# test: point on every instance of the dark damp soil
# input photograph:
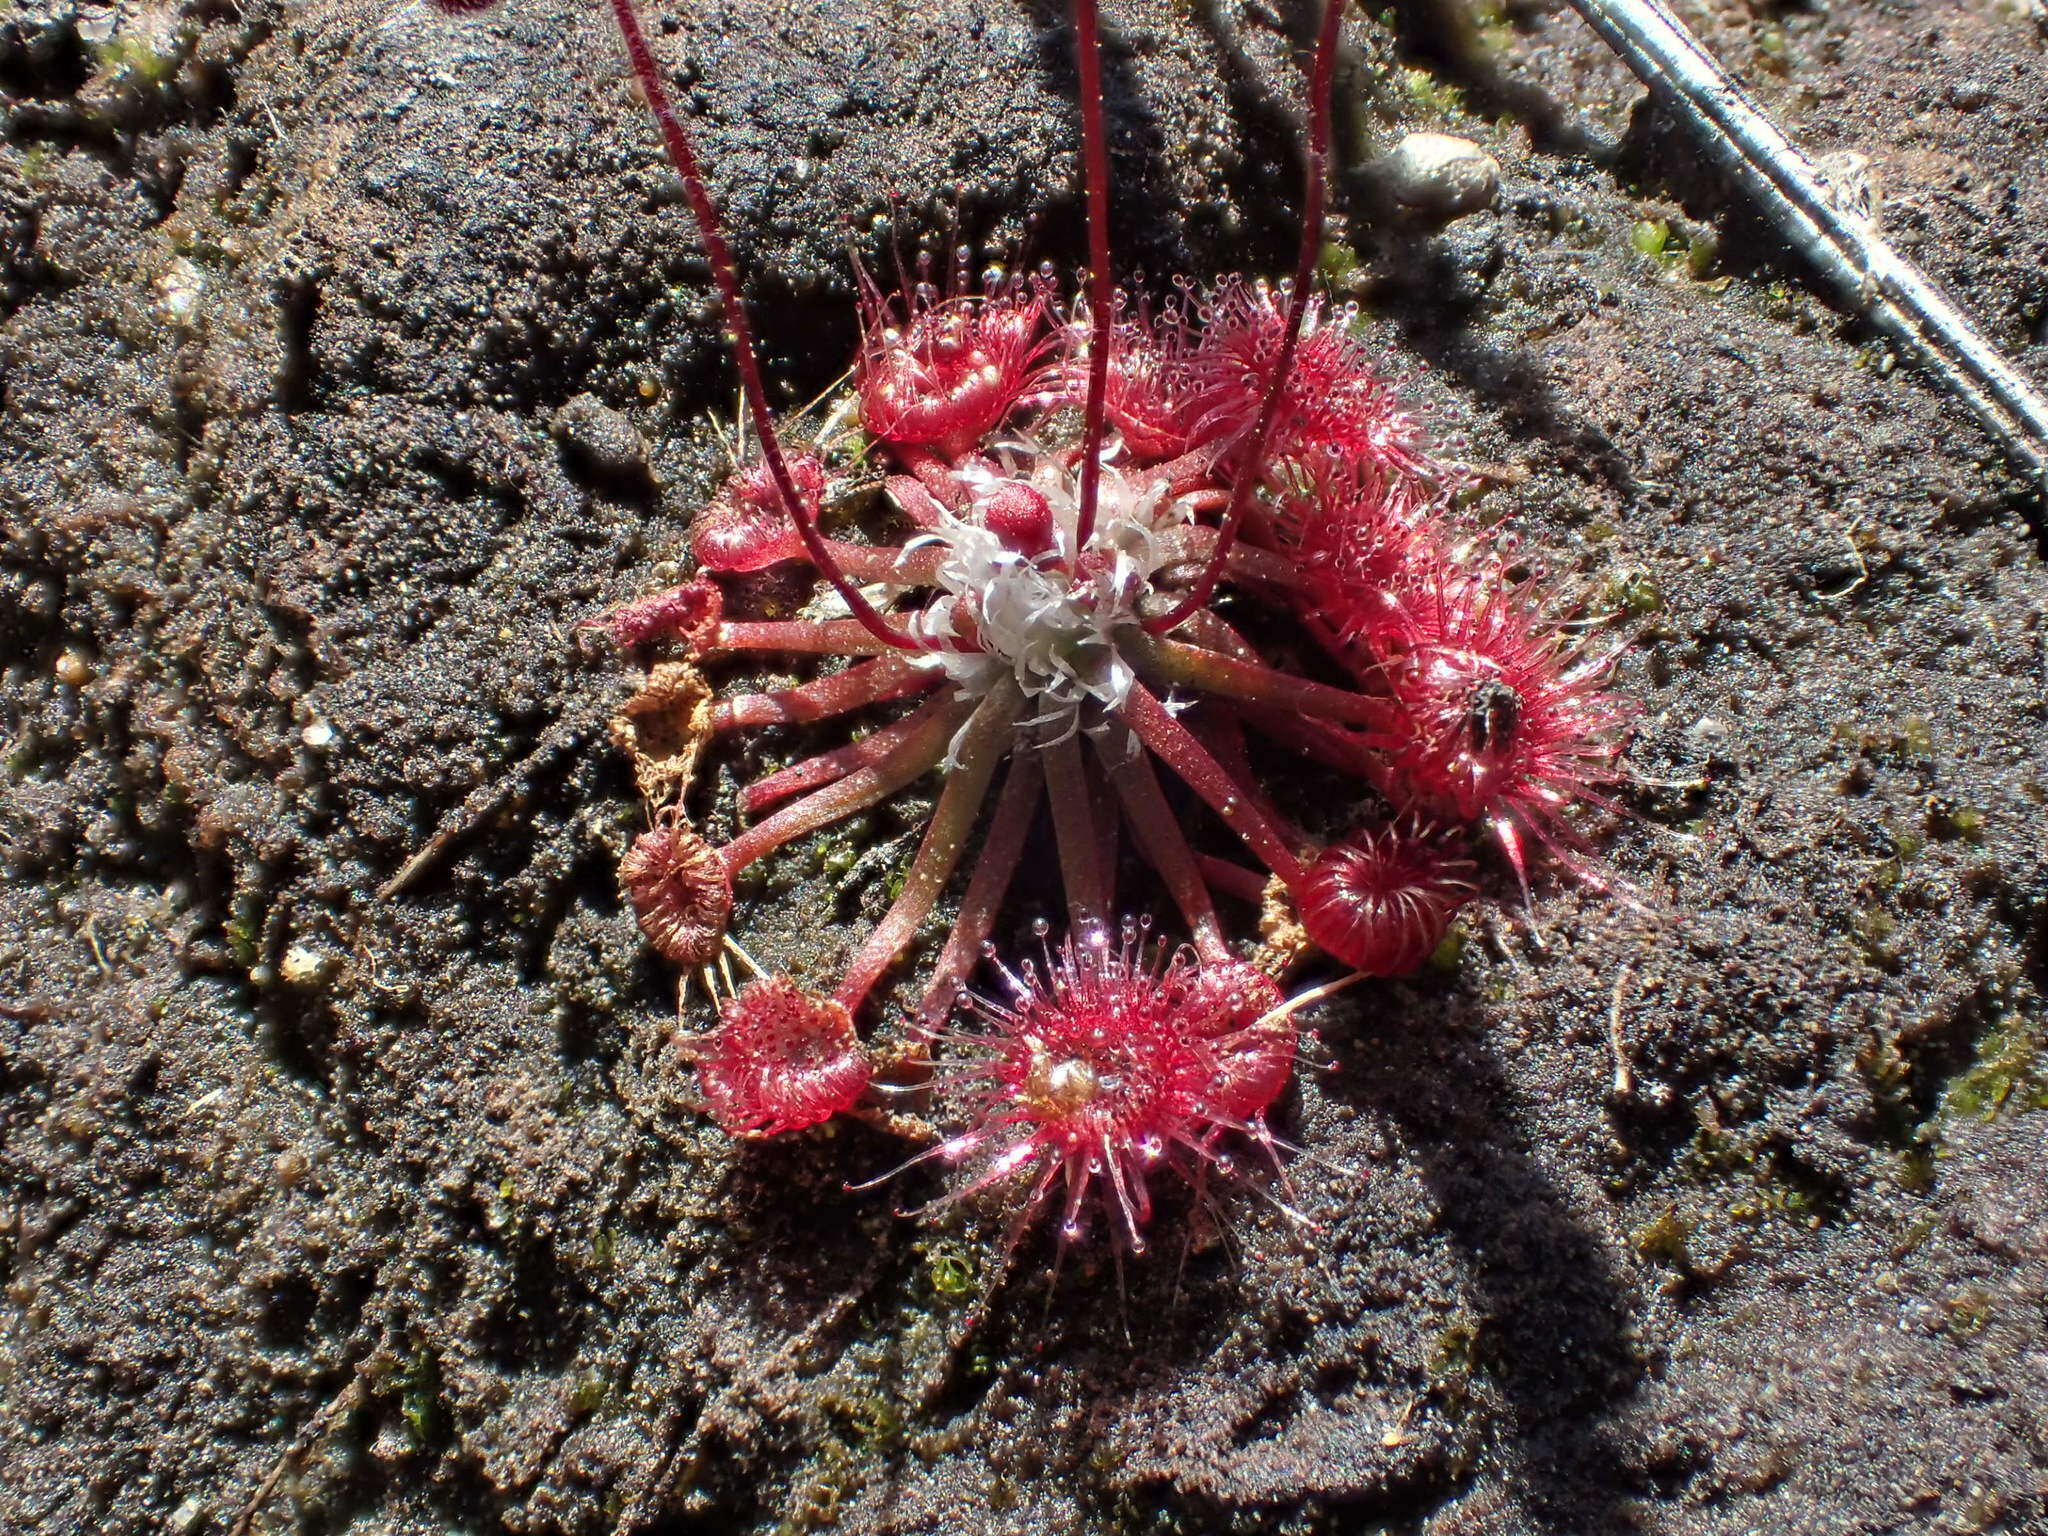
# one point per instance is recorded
(1716, 1211)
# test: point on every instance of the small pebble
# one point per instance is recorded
(600, 436)
(73, 670)
(319, 735)
(304, 966)
(1708, 734)
(392, 1445)
(1440, 174)
(179, 291)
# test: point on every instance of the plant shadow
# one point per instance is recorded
(1555, 1331)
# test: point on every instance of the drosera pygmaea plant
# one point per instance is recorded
(1078, 481)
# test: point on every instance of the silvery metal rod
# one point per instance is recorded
(1873, 278)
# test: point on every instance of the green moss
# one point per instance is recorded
(1769, 1183)
(134, 59)
(837, 851)
(1338, 264)
(1800, 1206)
(1432, 94)
(1495, 29)
(1987, 1510)
(1913, 1170)
(949, 1268)
(1888, 1076)
(1948, 821)
(1966, 1313)
(1717, 1152)
(877, 1424)
(1915, 1234)
(1650, 236)
(1906, 742)
(1692, 254)
(1445, 957)
(849, 445)
(1455, 1355)
(815, 1502)
(1663, 1241)
(2005, 1079)
(242, 932)
(1702, 257)
(419, 1397)
(1634, 592)
(1874, 932)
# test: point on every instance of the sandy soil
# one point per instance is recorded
(326, 1211)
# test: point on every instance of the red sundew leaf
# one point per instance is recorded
(680, 891)
(952, 372)
(1381, 901)
(1500, 708)
(1254, 1053)
(1145, 397)
(780, 1059)
(690, 613)
(1108, 1061)
(1335, 405)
